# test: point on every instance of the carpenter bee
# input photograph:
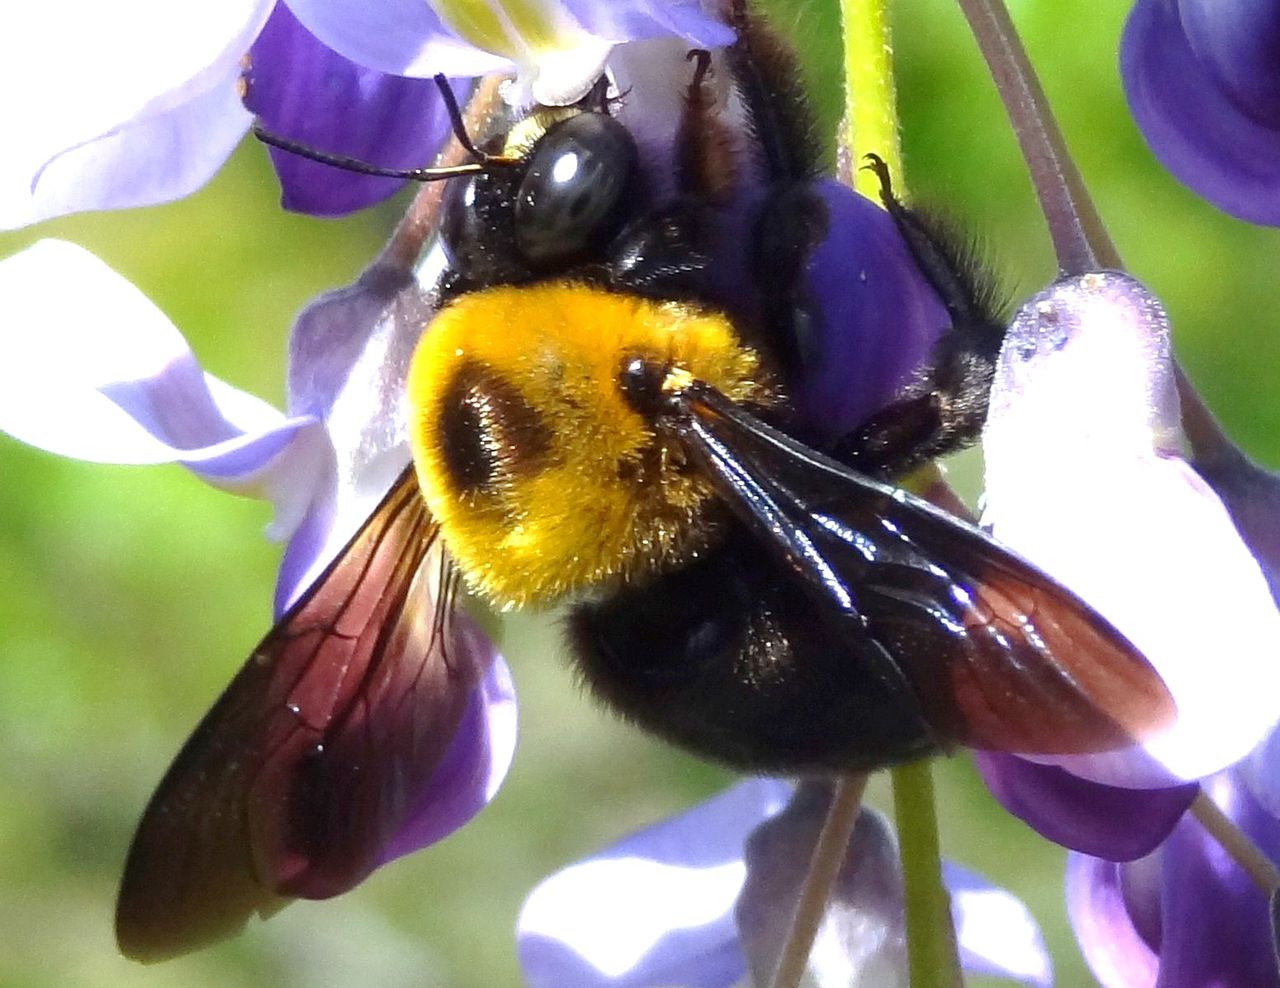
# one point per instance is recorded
(596, 422)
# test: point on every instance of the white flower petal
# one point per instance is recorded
(93, 370)
(564, 76)
(995, 931)
(90, 368)
(657, 903)
(1081, 481)
(141, 94)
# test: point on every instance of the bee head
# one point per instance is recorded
(534, 455)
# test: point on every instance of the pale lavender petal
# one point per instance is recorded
(403, 37)
(1215, 921)
(1104, 821)
(118, 104)
(92, 369)
(1100, 501)
(348, 357)
(996, 933)
(302, 90)
(862, 937)
(654, 909)
(1195, 125)
(478, 757)
(1252, 495)
(123, 387)
(311, 546)
(408, 37)
(640, 20)
(1118, 955)
(1260, 774)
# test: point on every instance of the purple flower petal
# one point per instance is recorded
(1252, 495)
(349, 353)
(1190, 109)
(1216, 928)
(117, 107)
(1118, 955)
(654, 909)
(1239, 41)
(402, 37)
(875, 318)
(1097, 499)
(312, 545)
(862, 938)
(478, 757)
(303, 90)
(1260, 774)
(1104, 821)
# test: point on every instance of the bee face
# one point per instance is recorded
(544, 477)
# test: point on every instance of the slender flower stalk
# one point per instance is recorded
(1079, 238)
(824, 866)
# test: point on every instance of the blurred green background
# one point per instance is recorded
(128, 596)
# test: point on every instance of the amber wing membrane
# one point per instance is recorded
(311, 759)
(998, 654)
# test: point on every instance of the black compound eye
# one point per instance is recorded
(571, 197)
(467, 214)
(457, 220)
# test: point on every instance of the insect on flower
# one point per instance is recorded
(597, 421)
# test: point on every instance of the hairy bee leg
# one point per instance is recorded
(768, 79)
(706, 152)
(947, 269)
(944, 409)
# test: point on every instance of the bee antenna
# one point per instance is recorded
(482, 162)
(459, 126)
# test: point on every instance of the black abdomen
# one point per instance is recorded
(727, 658)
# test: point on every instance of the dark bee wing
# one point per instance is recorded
(312, 757)
(999, 654)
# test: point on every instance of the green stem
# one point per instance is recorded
(932, 959)
(871, 125)
(871, 108)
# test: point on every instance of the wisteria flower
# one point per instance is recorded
(125, 388)
(1203, 83)
(145, 103)
(704, 898)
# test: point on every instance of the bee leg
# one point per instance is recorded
(944, 409)
(706, 152)
(663, 256)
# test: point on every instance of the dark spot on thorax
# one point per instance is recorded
(488, 431)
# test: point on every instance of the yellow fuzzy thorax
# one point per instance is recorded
(544, 480)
